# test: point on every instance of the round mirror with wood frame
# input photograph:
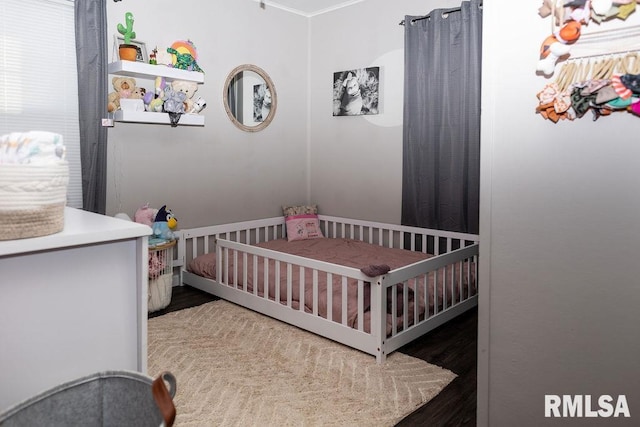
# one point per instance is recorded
(249, 98)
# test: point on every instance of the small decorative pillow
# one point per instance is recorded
(289, 210)
(302, 222)
(303, 227)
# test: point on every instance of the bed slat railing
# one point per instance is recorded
(453, 273)
(300, 288)
(344, 306)
(436, 283)
(436, 288)
(396, 236)
(269, 285)
(202, 240)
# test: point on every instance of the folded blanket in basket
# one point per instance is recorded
(33, 184)
(34, 147)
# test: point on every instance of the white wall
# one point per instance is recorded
(559, 235)
(349, 166)
(356, 162)
(216, 173)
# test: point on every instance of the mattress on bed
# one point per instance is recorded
(346, 252)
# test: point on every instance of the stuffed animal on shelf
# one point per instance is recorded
(173, 104)
(155, 104)
(184, 61)
(164, 224)
(138, 93)
(164, 58)
(124, 87)
(189, 89)
(198, 105)
(148, 98)
(184, 55)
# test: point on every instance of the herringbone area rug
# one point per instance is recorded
(235, 367)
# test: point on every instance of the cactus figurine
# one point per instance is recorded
(127, 31)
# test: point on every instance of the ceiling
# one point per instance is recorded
(308, 8)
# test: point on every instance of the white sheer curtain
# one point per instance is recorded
(38, 77)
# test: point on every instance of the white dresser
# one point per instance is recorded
(72, 303)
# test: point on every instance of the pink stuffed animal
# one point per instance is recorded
(156, 264)
(145, 215)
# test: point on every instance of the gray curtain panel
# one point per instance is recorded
(441, 138)
(91, 52)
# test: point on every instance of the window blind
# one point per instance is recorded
(38, 76)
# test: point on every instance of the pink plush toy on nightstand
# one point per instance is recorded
(145, 215)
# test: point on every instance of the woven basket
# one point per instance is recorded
(32, 199)
(160, 292)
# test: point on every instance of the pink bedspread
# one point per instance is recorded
(346, 252)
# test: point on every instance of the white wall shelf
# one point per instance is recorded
(142, 70)
(156, 118)
(148, 71)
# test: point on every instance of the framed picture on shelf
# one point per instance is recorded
(141, 49)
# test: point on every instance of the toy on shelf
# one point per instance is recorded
(127, 30)
(199, 105)
(127, 51)
(173, 104)
(156, 101)
(153, 56)
(184, 56)
(174, 89)
(124, 88)
(189, 89)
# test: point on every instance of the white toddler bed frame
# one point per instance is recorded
(451, 249)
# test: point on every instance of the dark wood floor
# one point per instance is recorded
(451, 346)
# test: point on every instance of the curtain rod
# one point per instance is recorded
(444, 12)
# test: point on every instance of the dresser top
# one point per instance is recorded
(80, 228)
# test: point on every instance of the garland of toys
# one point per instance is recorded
(609, 84)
